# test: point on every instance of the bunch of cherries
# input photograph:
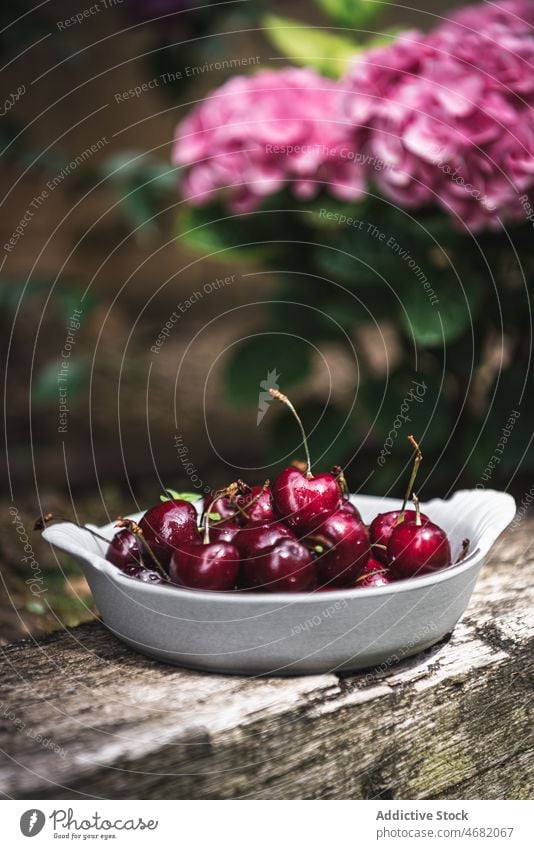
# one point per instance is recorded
(301, 534)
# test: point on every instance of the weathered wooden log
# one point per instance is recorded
(81, 715)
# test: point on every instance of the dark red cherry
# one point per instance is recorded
(257, 505)
(374, 575)
(382, 525)
(285, 567)
(417, 549)
(298, 496)
(242, 503)
(205, 566)
(169, 525)
(381, 528)
(348, 507)
(147, 576)
(225, 532)
(255, 538)
(298, 500)
(341, 542)
(376, 579)
(123, 550)
(222, 505)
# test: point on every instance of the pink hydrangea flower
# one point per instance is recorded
(256, 134)
(445, 118)
(451, 114)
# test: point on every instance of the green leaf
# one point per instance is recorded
(46, 386)
(214, 517)
(329, 213)
(438, 311)
(68, 298)
(328, 53)
(172, 495)
(139, 181)
(201, 230)
(352, 13)
(137, 208)
(35, 607)
(12, 289)
(262, 361)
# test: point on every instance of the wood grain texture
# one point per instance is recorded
(455, 722)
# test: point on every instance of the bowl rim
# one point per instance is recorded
(474, 558)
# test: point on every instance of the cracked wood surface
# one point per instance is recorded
(81, 715)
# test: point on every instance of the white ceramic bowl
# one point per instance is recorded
(301, 633)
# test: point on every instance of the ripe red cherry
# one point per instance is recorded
(258, 506)
(123, 550)
(287, 566)
(225, 532)
(147, 576)
(298, 500)
(205, 566)
(381, 528)
(255, 538)
(299, 496)
(221, 505)
(242, 503)
(382, 525)
(341, 542)
(374, 575)
(418, 547)
(348, 507)
(169, 525)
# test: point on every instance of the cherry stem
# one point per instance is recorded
(256, 498)
(417, 509)
(134, 528)
(231, 491)
(339, 475)
(416, 463)
(285, 400)
(465, 548)
(220, 493)
(315, 541)
(371, 574)
(47, 518)
(206, 534)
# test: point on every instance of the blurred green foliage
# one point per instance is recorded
(447, 310)
(460, 310)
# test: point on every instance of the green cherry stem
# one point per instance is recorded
(219, 493)
(263, 490)
(206, 518)
(231, 491)
(339, 475)
(417, 509)
(416, 463)
(285, 400)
